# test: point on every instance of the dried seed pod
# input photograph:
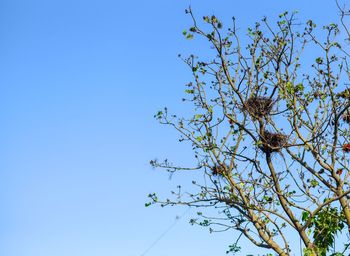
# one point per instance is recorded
(346, 148)
(346, 117)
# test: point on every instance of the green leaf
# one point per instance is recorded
(299, 87)
(319, 60)
(313, 183)
(305, 215)
(199, 138)
(189, 36)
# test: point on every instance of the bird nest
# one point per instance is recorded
(273, 142)
(218, 170)
(259, 106)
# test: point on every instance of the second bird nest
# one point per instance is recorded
(273, 142)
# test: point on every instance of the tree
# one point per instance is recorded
(271, 132)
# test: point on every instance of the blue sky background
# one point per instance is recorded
(79, 84)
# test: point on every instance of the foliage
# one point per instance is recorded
(270, 132)
(326, 224)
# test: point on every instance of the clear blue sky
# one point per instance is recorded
(79, 84)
